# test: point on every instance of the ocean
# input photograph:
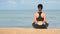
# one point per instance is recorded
(24, 18)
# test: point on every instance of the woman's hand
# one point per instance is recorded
(33, 22)
(46, 23)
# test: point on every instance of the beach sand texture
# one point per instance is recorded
(28, 31)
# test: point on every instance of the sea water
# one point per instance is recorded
(24, 18)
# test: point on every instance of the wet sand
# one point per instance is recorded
(28, 31)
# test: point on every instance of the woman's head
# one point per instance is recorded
(40, 7)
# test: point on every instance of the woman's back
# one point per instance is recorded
(39, 18)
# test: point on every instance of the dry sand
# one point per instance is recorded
(28, 31)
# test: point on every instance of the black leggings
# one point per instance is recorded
(43, 26)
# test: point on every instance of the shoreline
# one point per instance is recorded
(28, 31)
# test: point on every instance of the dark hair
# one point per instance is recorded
(40, 5)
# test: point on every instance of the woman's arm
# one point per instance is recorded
(45, 19)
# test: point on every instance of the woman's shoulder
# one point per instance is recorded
(37, 13)
(43, 13)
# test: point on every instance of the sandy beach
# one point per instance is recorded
(28, 31)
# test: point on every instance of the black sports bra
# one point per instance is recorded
(39, 18)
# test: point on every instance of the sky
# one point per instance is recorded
(29, 4)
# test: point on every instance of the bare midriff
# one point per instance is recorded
(39, 22)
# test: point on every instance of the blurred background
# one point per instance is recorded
(19, 13)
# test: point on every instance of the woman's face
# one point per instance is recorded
(39, 9)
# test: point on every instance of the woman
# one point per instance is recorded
(40, 19)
